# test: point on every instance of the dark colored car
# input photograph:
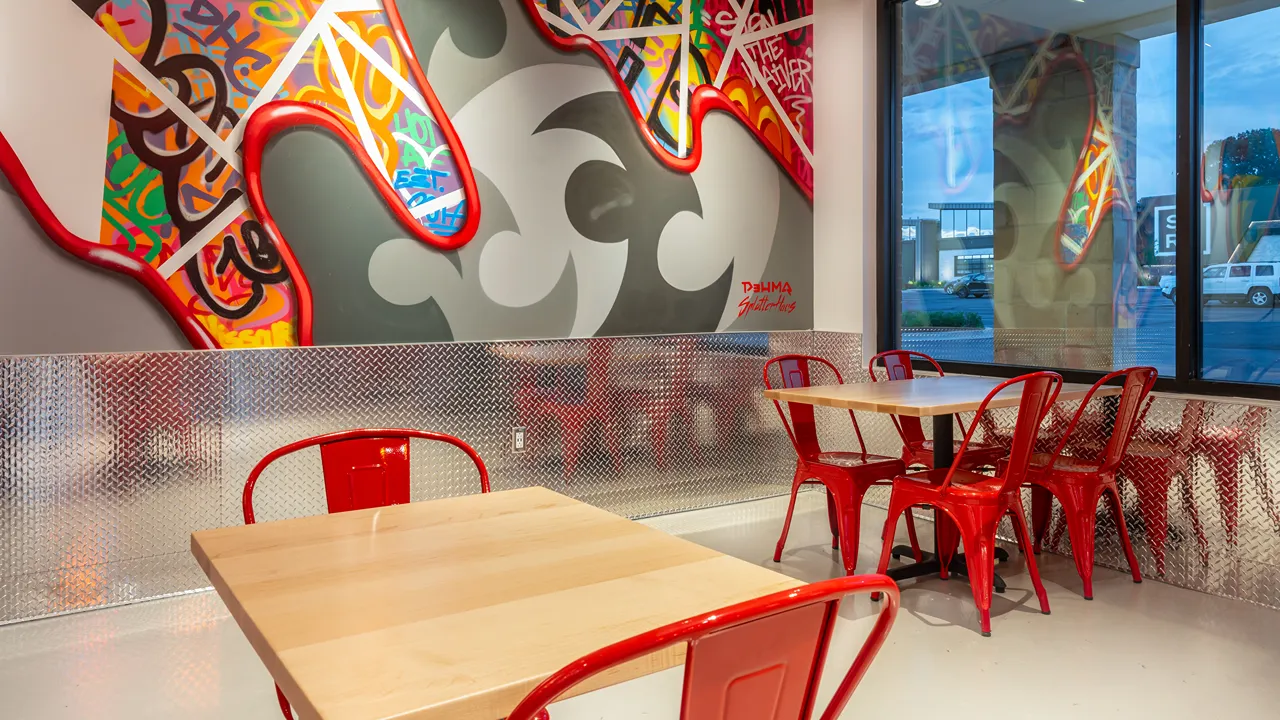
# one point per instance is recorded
(972, 286)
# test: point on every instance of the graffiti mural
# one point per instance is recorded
(294, 172)
(678, 59)
(190, 74)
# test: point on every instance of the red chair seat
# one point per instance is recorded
(1062, 463)
(975, 454)
(858, 460)
(963, 482)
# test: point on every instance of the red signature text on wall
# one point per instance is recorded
(766, 297)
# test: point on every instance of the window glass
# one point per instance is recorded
(1264, 271)
(1240, 338)
(1240, 271)
(1038, 139)
(1215, 272)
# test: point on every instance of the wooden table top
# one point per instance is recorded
(921, 397)
(456, 608)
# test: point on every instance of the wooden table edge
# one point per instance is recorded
(796, 395)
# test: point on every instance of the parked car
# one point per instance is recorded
(1233, 283)
(972, 286)
(950, 287)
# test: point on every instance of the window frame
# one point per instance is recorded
(1189, 326)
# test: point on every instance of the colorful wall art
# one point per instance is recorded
(295, 172)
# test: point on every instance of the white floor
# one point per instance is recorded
(1136, 651)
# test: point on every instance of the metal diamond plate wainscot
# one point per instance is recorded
(109, 462)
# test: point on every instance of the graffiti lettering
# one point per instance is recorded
(205, 13)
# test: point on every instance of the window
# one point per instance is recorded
(1215, 272)
(1239, 337)
(1038, 147)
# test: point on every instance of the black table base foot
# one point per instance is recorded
(931, 566)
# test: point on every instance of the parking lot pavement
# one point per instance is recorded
(1240, 343)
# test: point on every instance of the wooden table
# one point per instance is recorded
(456, 608)
(939, 398)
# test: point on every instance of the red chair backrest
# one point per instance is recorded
(362, 468)
(758, 660)
(897, 366)
(1039, 393)
(796, 371)
(1138, 382)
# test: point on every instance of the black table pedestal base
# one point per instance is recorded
(931, 566)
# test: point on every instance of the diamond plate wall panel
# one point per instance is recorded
(110, 461)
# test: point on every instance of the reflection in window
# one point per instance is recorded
(1240, 341)
(1038, 164)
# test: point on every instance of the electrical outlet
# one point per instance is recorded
(519, 436)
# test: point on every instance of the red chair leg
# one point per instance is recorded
(980, 557)
(1082, 526)
(1112, 496)
(835, 523)
(911, 534)
(947, 538)
(1189, 506)
(786, 524)
(284, 704)
(1041, 513)
(849, 514)
(896, 506)
(1024, 541)
(1226, 472)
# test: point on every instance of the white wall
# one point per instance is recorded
(845, 177)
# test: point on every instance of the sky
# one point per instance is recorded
(946, 133)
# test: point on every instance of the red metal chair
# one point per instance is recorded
(975, 502)
(362, 469)
(846, 475)
(757, 660)
(916, 450)
(1152, 464)
(575, 415)
(1079, 482)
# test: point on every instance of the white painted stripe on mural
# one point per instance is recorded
(769, 32)
(605, 13)
(179, 108)
(447, 200)
(202, 238)
(576, 12)
(354, 105)
(558, 22)
(744, 9)
(379, 63)
(637, 33)
(762, 81)
(287, 65)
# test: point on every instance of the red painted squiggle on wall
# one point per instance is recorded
(103, 256)
(702, 100)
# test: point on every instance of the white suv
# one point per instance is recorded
(1254, 283)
